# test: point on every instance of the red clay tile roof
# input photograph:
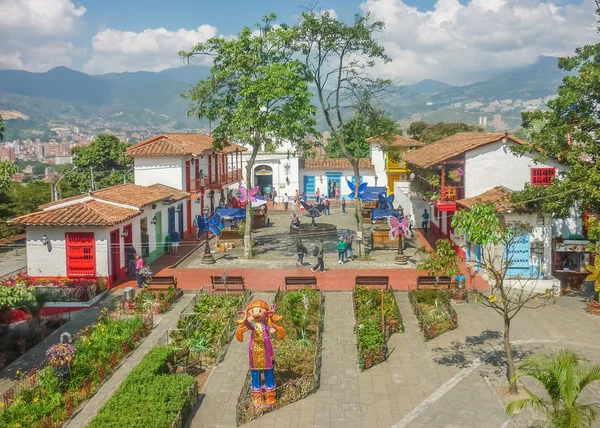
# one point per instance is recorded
(400, 141)
(129, 194)
(500, 196)
(177, 145)
(88, 213)
(454, 145)
(335, 163)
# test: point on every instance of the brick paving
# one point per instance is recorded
(90, 409)
(218, 397)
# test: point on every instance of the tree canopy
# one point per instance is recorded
(104, 159)
(257, 91)
(428, 133)
(2, 128)
(570, 132)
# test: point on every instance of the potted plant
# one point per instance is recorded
(456, 175)
(146, 273)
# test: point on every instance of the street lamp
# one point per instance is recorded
(58, 181)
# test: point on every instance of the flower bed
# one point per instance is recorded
(433, 311)
(370, 336)
(297, 356)
(209, 328)
(149, 396)
(60, 290)
(146, 301)
(42, 400)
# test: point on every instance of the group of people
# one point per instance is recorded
(344, 249)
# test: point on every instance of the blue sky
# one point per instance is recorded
(455, 41)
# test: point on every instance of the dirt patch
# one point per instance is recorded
(201, 379)
(12, 114)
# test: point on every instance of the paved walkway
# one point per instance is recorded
(455, 380)
(36, 355)
(218, 398)
(162, 323)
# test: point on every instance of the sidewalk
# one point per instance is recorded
(218, 397)
(162, 323)
(36, 355)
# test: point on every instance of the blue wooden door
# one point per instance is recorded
(171, 220)
(478, 255)
(180, 230)
(519, 256)
(309, 185)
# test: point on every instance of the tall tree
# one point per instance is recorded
(2, 128)
(339, 57)
(563, 376)
(569, 131)
(429, 133)
(258, 92)
(101, 164)
(498, 241)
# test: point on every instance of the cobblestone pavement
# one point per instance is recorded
(219, 395)
(278, 249)
(90, 409)
(455, 380)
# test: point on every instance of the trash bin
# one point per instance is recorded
(460, 281)
(128, 293)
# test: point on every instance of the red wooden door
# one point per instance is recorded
(187, 176)
(81, 254)
(115, 255)
(189, 216)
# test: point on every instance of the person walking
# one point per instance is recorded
(343, 205)
(318, 193)
(349, 252)
(425, 217)
(274, 197)
(318, 253)
(341, 247)
(175, 241)
(327, 203)
(139, 264)
(301, 251)
(337, 194)
(286, 201)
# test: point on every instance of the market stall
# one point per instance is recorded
(570, 257)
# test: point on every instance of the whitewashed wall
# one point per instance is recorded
(277, 162)
(495, 165)
(378, 161)
(167, 170)
(570, 225)
(319, 174)
(51, 260)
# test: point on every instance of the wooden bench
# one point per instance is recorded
(181, 363)
(433, 282)
(160, 284)
(373, 281)
(300, 282)
(232, 284)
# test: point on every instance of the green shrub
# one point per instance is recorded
(433, 311)
(371, 340)
(149, 397)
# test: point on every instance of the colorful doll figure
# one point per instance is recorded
(260, 320)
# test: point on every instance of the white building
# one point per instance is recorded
(189, 162)
(87, 235)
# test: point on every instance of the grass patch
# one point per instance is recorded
(149, 397)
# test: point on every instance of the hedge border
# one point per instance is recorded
(427, 330)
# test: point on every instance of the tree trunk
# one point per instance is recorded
(248, 228)
(358, 209)
(510, 363)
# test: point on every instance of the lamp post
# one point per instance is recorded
(207, 257)
(400, 258)
(56, 193)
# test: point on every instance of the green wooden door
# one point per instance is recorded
(160, 245)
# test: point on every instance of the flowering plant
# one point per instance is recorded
(456, 174)
(60, 354)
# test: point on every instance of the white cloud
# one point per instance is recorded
(459, 43)
(150, 50)
(35, 33)
(34, 18)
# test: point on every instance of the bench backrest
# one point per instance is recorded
(300, 282)
(433, 280)
(231, 280)
(164, 280)
(381, 281)
(221, 288)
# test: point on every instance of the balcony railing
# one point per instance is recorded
(451, 193)
(197, 185)
(440, 194)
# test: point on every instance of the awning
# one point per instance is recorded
(232, 213)
(377, 214)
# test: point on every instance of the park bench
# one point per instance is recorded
(433, 282)
(230, 284)
(300, 282)
(373, 281)
(161, 284)
(181, 363)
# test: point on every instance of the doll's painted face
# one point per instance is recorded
(258, 314)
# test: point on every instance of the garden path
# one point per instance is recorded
(90, 409)
(218, 397)
(36, 355)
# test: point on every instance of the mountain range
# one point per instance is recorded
(143, 100)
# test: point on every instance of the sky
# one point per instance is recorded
(454, 41)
